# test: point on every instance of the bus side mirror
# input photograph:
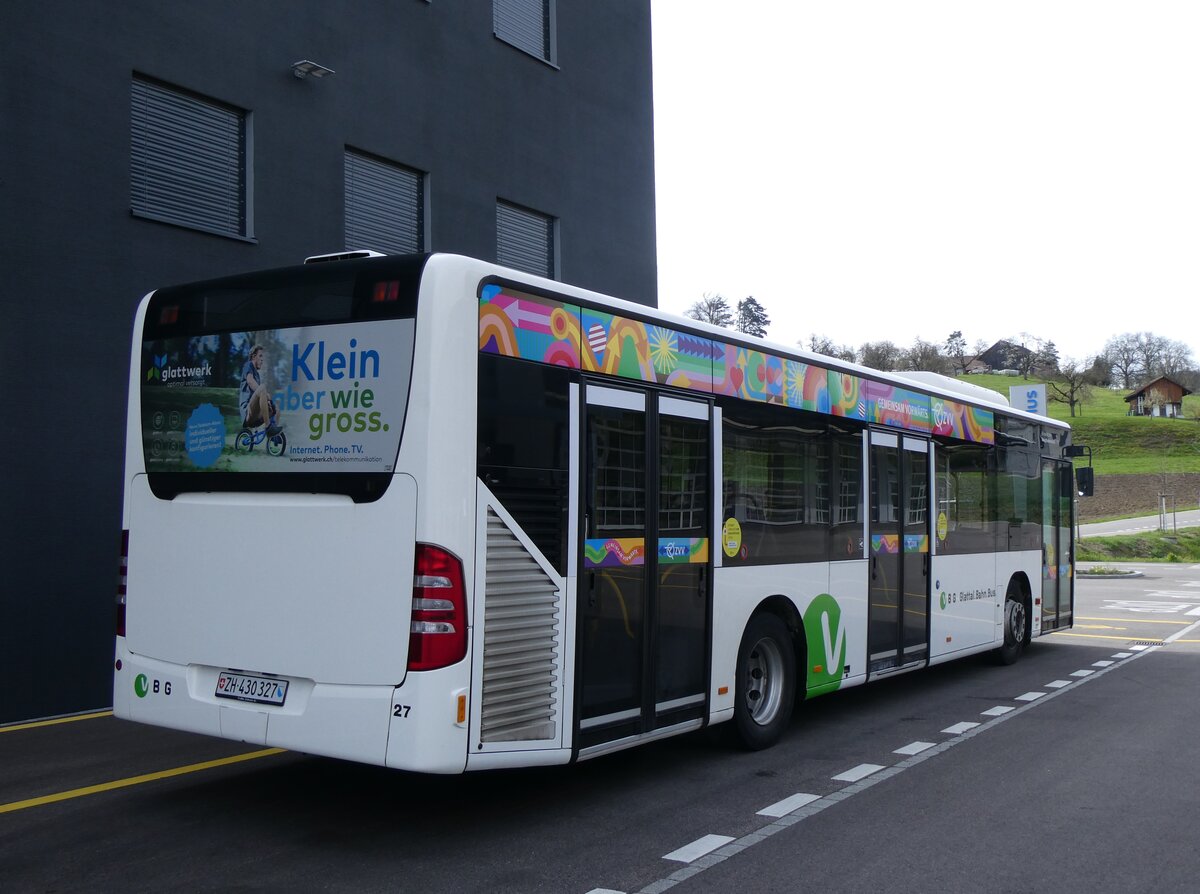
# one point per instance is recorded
(1085, 479)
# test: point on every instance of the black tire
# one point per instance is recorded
(1016, 625)
(277, 444)
(765, 681)
(244, 442)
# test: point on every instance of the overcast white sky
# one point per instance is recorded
(886, 170)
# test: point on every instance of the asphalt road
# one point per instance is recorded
(1142, 524)
(1076, 775)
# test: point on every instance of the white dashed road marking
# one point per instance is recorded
(787, 805)
(959, 728)
(698, 848)
(862, 771)
(913, 748)
(801, 806)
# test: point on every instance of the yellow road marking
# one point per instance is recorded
(136, 780)
(1094, 636)
(1138, 621)
(37, 723)
(1097, 627)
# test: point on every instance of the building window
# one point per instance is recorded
(189, 160)
(385, 205)
(525, 240)
(527, 25)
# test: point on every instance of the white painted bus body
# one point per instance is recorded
(317, 589)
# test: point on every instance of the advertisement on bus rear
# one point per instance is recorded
(314, 399)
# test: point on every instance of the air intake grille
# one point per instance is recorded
(520, 642)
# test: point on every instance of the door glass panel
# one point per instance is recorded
(1050, 507)
(614, 561)
(683, 557)
(1066, 490)
(884, 613)
(916, 554)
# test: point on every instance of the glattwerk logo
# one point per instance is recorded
(198, 374)
(826, 637)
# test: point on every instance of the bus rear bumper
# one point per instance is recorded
(332, 720)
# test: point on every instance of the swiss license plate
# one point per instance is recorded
(246, 688)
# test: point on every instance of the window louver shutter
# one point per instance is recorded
(524, 24)
(384, 206)
(187, 160)
(524, 240)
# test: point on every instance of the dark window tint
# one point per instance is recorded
(845, 486)
(1019, 497)
(188, 160)
(523, 447)
(966, 496)
(524, 240)
(385, 205)
(778, 484)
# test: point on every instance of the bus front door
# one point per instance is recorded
(1057, 499)
(645, 577)
(898, 616)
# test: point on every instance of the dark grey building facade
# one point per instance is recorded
(145, 144)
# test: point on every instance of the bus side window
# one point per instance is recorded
(523, 446)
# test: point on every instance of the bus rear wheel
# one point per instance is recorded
(764, 681)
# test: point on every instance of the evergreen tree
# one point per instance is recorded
(752, 317)
(956, 350)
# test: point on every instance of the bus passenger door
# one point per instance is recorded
(898, 615)
(1058, 492)
(646, 567)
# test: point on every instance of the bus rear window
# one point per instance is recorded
(293, 380)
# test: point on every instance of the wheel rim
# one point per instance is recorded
(764, 680)
(1016, 622)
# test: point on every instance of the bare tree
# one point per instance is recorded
(712, 308)
(820, 344)
(1150, 349)
(1122, 352)
(1176, 359)
(924, 355)
(1020, 356)
(881, 355)
(1072, 386)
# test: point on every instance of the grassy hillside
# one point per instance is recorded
(1123, 444)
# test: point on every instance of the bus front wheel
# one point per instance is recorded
(1016, 626)
(765, 682)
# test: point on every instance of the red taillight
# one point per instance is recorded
(438, 636)
(122, 579)
(386, 291)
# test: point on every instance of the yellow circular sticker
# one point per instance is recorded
(943, 526)
(731, 537)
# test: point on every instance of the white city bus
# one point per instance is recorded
(496, 521)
